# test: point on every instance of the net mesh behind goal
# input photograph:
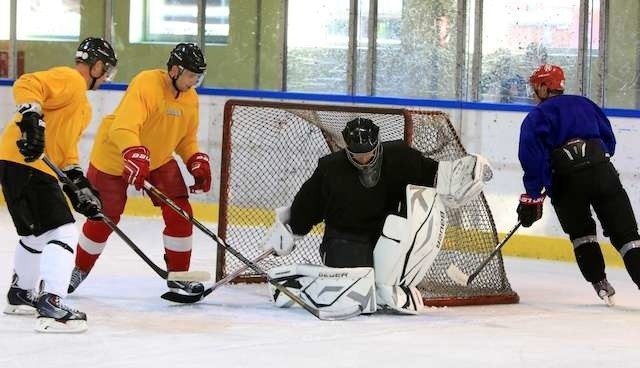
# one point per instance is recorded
(270, 149)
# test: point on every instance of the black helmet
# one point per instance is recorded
(361, 135)
(188, 56)
(93, 49)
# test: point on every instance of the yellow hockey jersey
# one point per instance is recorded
(149, 115)
(62, 94)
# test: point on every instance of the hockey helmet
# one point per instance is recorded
(188, 56)
(361, 138)
(92, 49)
(551, 76)
(361, 135)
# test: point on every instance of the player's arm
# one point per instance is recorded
(197, 162)
(292, 223)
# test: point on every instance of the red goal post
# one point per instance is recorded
(270, 148)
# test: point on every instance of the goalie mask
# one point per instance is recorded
(364, 150)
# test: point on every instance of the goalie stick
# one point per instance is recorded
(317, 312)
(171, 276)
(456, 274)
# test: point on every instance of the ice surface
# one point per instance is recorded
(559, 322)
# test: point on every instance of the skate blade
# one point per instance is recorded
(50, 325)
(19, 310)
(608, 300)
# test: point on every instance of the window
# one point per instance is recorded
(4, 19)
(529, 33)
(177, 20)
(317, 45)
(48, 20)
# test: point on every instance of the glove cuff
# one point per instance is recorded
(528, 200)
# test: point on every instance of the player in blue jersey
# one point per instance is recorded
(566, 142)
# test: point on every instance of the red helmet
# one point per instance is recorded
(551, 76)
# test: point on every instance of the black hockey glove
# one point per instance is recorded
(31, 144)
(530, 209)
(85, 199)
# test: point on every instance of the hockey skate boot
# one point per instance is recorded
(77, 276)
(19, 301)
(605, 291)
(53, 316)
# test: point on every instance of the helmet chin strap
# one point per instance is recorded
(174, 81)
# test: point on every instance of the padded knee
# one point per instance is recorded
(176, 225)
(631, 256)
(589, 258)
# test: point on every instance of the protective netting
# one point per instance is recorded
(270, 149)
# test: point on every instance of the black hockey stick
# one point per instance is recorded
(461, 278)
(173, 276)
(240, 270)
(319, 313)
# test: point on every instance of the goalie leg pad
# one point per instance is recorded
(401, 299)
(325, 287)
(407, 248)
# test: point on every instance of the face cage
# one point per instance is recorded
(372, 162)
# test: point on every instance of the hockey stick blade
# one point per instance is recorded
(457, 275)
(185, 299)
(189, 276)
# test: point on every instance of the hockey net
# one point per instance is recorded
(270, 148)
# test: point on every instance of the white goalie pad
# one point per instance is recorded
(463, 179)
(325, 287)
(407, 248)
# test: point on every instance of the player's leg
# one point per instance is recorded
(618, 221)
(177, 234)
(93, 239)
(572, 206)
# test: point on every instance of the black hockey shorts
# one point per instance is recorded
(34, 199)
(598, 187)
(342, 250)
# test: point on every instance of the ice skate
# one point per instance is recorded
(605, 291)
(20, 301)
(55, 317)
(77, 276)
(185, 291)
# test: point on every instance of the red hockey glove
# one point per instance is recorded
(530, 209)
(198, 166)
(136, 165)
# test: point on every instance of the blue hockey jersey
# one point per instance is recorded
(550, 125)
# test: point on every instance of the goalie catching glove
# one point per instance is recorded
(461, 180)
(281, 239)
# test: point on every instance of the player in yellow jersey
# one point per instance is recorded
(157, 116)
(53, 112)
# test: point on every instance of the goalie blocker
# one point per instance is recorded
(402, 257)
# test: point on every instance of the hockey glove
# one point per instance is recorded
(530, 209)
(198, 166)
(136, 165)
(85, 199)
(31, 144)
(281, 239)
